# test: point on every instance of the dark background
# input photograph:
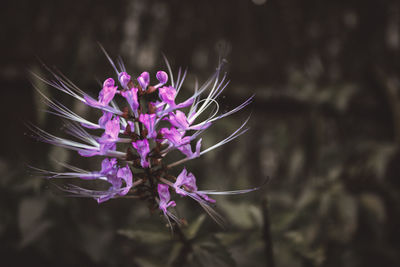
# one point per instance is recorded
(325, 127)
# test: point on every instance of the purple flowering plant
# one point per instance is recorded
(135, 140)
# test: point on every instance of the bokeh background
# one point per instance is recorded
(325, 129)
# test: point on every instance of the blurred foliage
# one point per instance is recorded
(325, 129)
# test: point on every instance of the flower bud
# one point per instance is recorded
(124, 79)
(162, 77)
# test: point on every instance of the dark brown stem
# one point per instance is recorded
(152, 185)
(267, 234)
(185, 250)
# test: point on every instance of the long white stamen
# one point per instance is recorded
(234, 135)
(109, 59)
(179, 85)
(171, 75)
(241, 106)
(203, 203)
(69, 144)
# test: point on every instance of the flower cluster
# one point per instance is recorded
(134, 141)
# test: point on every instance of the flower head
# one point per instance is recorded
(135, 140)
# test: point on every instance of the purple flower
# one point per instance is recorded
(180, 121)
(108, 83)
(142, 147)
(164, 123)
(124, 79)
(107, 166)
(149, 121)
(113, 190)
(131, 126)
(105, 96)
(177, 140)
(188, 181)
(163, 194)
(158, 106)
(104, 119)
(101, 123)
(187, 148)
(112, 128)
(111, 133)
(114, 176)
(132, 99)
(173, 136)
(126, 175)
(101, 150)
(167, 94)
(144, 80)
(110, 172)
(162, 77)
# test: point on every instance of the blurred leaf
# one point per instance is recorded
(308, 197)
(296, 162)
(379, 158)
(211, 252)
(301, 245)
(295, 237)
(374, 206)
(348, 211)
(284, 255)
(343, 96)
(30, 211)
(325, 204)
(283, 221)
(247, 248)
(243, 215)
(96, 241)
(345, 222)
(146, 237)
(174, 253)
(229, 238)
(194, 227)
(37, 231)
(316, 255)
(30, 219)
(146, 262)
